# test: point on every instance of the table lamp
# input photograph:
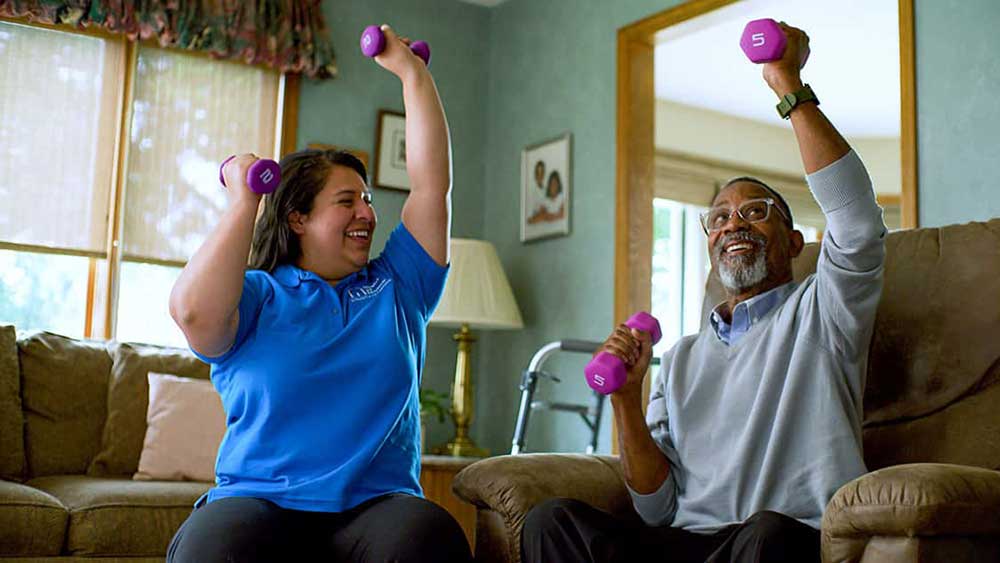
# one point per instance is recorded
(476, 295)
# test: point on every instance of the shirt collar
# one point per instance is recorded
(290, 275)
(747, 313)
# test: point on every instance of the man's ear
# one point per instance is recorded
(797, 243)
(296, 221)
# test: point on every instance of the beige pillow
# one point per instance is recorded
(184, 425)
(128, 402)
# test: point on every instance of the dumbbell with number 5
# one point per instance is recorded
(373, 43)
(263, 176)
(607, 372)
(763, 41)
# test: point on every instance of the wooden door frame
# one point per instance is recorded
(635, 147)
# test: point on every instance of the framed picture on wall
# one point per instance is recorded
(390, 151)
(545, 188)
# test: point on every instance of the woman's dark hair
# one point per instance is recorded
(303, 175)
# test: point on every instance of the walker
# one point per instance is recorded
(590, 413)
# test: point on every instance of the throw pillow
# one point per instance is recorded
(184, 426)
(128, 400)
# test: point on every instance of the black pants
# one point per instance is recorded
(572, 531)
(389, 528)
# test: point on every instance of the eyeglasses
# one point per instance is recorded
(751, 211)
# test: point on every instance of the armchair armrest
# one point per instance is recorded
(917, 500)
(505, 488)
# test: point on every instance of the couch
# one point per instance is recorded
(931, 421)
(72, 421)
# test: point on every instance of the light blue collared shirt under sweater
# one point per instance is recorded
(747, 313)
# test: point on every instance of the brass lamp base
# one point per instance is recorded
(461, 448)
(461, 401)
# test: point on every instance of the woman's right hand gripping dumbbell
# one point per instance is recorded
(234, 178)
(248, 173)
(205, 298)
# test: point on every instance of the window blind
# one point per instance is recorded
(57, 137)
(190, 113)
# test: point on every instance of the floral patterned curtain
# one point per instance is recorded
(287, 35)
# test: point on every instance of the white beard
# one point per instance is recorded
(741, 272)
(749, 272)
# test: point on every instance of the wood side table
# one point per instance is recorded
(436, 474)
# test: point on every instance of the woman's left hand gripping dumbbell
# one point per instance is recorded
(398, 55)
(251, 175)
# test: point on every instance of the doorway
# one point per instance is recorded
(643, 155)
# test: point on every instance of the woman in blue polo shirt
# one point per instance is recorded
(316, 353)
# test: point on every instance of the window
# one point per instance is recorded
(143, 314)
(680, 268)
(109, 155)
(44, 290)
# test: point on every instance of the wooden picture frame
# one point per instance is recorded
(546, 185)
(390, 151)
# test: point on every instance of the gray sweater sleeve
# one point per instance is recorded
(658, 508)
(849, 267)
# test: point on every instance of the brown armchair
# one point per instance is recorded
(931, 425)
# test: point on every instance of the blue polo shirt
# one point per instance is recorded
(320, 387)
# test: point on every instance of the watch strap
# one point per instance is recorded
(793, 99)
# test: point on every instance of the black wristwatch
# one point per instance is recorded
(792, 100)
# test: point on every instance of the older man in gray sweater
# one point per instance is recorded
(755, 422)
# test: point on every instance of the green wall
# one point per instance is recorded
(343, 112)
(552, 70)
(958, 113)
(529, 70)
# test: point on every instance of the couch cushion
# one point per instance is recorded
(934, 366)
(185, 424)
(120, 517)
(64, 385)
(11, 417)
(128, 400)
(32, 522)
(936, 331)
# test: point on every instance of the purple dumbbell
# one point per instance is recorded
(606, 372)
(263, 176)
(763, 41)
(373, 43)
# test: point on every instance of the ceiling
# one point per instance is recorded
(853, 66)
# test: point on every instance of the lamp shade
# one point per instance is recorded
(477, 292)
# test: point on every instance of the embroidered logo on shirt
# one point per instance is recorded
(368, 291)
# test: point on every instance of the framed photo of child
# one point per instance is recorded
(545, 188)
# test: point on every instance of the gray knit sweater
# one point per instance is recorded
(774, 421)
